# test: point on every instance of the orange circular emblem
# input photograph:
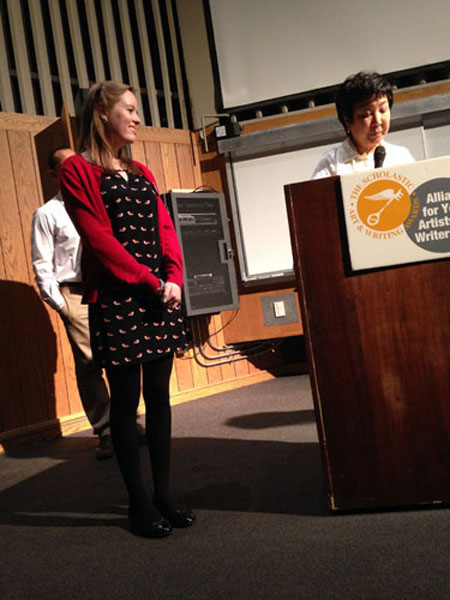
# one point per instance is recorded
(383, 205)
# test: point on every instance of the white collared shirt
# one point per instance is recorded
(55, 250)
(345, 159)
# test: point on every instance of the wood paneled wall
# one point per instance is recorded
(38, 390)
(33, 359)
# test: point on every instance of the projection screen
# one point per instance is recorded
(268, 49)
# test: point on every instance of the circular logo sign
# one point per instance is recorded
(428, 224)
(383, 205)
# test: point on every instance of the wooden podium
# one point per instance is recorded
(379, 353)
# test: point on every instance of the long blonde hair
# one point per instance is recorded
(93, 137)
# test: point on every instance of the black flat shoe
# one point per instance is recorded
(179, 517)
(144, 526)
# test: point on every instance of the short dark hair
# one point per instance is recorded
(52, 161)
(360, 88)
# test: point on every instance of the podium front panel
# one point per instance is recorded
(379, 353)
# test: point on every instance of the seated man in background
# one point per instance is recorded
(56, 253)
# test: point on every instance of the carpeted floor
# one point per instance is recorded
(248, 462)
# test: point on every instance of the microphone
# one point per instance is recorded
(378, 156)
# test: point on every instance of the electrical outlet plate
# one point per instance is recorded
(279, 303)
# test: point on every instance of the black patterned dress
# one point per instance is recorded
(128, 323)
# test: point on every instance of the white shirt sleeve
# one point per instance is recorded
(321, 171)
(42, 256)
(326, 167)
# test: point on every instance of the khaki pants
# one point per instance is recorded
(91, 385)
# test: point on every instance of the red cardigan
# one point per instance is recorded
(80, 187)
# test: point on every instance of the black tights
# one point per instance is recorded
(125, 387)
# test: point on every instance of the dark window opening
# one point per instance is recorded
(84, 27)
(120, 43)
(101, 35)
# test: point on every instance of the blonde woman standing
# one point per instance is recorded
(132, 271)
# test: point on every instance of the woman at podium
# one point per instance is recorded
(363, 104)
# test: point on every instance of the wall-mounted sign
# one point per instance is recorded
(398, 215)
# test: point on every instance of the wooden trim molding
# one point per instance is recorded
(329, 110)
